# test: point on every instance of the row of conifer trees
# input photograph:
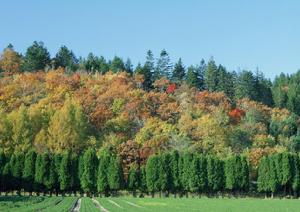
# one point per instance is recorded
(165, 173)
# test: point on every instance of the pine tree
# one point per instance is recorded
(7, 178)
(102, 180)
(115, 174)
(215, 173)
(165, 175)
(178, 72)
(57, 161)
(192, 77)
(185, 167)
(211, 76)
(152, 174)
(133, 179)
(29, 171)
(65, 172)
(286, 171)
(229, 168)
(194, 177)
(163, 66)
(65, 58)
(244, 182)
(36, 57)
(117, 65)
(88, 179)
(143, 180)
(128, 66)
(52, 178)
(296, 174)
(272, 181)
(175, 178)
(17, 166)
(3, 161)
(262, 175)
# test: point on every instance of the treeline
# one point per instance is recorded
(103, 174)
(168, 173)
(204, 76)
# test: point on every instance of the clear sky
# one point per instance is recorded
(237, 33)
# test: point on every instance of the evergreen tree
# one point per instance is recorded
(272, 181)
(128, 67)
(262, 175)
(36, 57)
(57, 161)
(65, 172)
(185, 172)
(215, 173)
(211, 76)
(29, 171)
(52, 180)
(133, 179)
(88, 179)
(143, 180)
(163, 66)
(115, 174)
(174, 168)
(102, 180)
(7, 182)
(152, 174)
(3, 161)
(178, 72)
(197, 180)
(40, 172)
(165, 173)
(117, 65)
(17, 166)
(245, 86)
(192, 77)
(296, 174)
(65, 58)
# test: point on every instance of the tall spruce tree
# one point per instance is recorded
(102, 178)
(133, 179)
(89, 175)
(152, 174)
(65, 173)
(115, 174)
(178, 72)
(17, 166)
(163, 66)
(29, 171)
(211, 76)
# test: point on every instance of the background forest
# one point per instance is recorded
(69, 104)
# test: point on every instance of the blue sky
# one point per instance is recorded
(238, 34)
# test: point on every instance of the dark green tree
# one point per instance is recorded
(102, 180)
(17, 166)
(29, 171)
(65, 173)
(211, 76)
(117, 65)
(65, 58)
(133, 179)
(36, 57)
(89, 175)
(178, 72)
(163, 66)
(115, 174)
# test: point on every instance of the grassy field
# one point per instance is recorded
(60, 204)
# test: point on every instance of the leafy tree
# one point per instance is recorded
(10, 60)
(36, 57)
(29, 171)
(22, 132)
(68, 129)
(88, 178)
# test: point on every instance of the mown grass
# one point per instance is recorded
(200, 204)
(87, 205)
(116, 204)
(27, 204)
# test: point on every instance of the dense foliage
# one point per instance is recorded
(52, 109)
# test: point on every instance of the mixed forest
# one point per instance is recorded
(95, 125)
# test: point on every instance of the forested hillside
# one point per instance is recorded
(66, 105)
